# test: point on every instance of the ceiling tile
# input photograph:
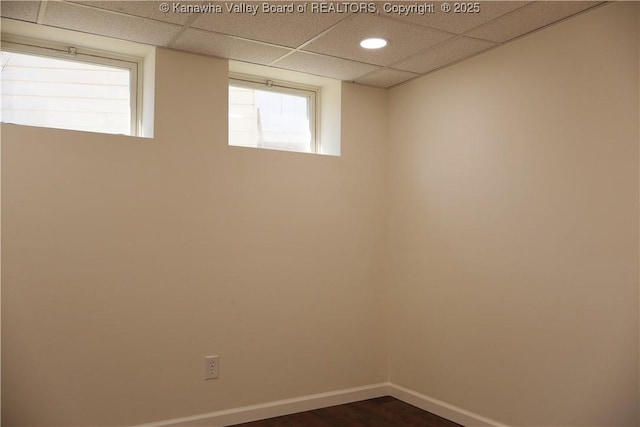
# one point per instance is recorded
(343, 40)
(444, 54)
(145, 9)
(96, 21)
(21, 10)
(528, 18)
(227, 47)
(452, 22)
(326, 66)
(385, 78)
(327, 44)
(285, 29)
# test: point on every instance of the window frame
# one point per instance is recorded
(36, 47)
(312, 93)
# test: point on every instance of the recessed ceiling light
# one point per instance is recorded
(373, 43)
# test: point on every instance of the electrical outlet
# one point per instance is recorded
(211, 367)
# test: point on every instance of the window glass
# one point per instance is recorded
(271, 118)
(68, 94)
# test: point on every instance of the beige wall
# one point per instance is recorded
(126, 261)
(513, 228)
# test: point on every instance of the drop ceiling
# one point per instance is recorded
(325, 44)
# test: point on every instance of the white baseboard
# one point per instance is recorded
(278, 408)
(440, 408)
(275, 409)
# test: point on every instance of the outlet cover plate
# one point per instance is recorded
(211, 367)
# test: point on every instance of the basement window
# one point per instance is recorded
(271, 114)
(49, 85)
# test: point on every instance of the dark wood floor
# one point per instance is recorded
(380, 412)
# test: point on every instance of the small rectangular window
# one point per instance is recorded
(272, 115)
(62, 88)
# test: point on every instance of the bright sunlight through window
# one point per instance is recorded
(271, 116)
(66, 94)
